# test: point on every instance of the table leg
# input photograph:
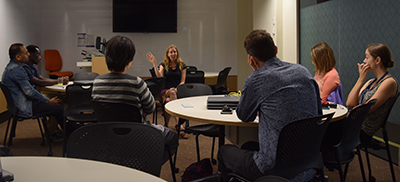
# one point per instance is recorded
(221, 137)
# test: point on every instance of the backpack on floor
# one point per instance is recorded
(197, 170)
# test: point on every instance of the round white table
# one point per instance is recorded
(200, 113)
(51, 169)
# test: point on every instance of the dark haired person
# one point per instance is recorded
(384, 87)
(33, 74)
(26, 98)
(278, 92)
(117, 86)
(38, 80)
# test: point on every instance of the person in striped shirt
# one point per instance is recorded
(117, 86)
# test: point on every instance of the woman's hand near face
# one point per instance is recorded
(363, 70)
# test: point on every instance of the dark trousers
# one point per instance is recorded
(40, 108)
(239, 161)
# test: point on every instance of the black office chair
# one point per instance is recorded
(210, 130)
(195, 77)
(376, 145)
(191, 69)
(271, 179)
(221, 86)
(129, 144)
(106, 111)
(153, 73)
(298, 148)
(85, 76)
(13, 110)
(79, 110)
(343, 152)
(155, 86)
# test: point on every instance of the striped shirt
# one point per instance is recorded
(124, 88)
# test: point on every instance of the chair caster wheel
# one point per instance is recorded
(213, 161)
(372, 179)
(49, 154)
(176, 170)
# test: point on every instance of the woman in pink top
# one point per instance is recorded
(326, 75)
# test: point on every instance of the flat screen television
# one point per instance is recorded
(145, 16)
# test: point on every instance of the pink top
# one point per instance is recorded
(327, 83)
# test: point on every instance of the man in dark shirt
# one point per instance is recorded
(33, 74)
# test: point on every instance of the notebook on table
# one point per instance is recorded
(220, 102)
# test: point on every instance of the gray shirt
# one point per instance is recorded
(124, 88)
(280, 93)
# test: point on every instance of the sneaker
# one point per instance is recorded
(59, 133)
(55, 138)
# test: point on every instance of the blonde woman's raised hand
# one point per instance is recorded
(151, 58)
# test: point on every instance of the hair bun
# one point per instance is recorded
(390, 63)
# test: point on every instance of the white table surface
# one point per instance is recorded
(58, 169)
(200, 113)
(57, 88)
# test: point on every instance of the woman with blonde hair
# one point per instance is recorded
(174, 71)
(326, 75)
(383, 87)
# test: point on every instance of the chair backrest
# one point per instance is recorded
(193, 89)
(132, 145)
(153, 73)
(53, 60)
(113, 111)
(78, 97)
(271, 179)
(299, 146)
(195, 77)
(155, 86)
(391, 107)
(222, 76)
(10, 102)
(191, 69)
(351, 128)
(336, 95)
(85, 76)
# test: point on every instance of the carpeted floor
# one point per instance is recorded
(27, 143)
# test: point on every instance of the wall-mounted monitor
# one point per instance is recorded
(145, 16)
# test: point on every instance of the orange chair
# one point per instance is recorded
(54, 63)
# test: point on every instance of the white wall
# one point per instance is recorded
(206, 38)
(279, 18)
(289, 31)
(15, 27)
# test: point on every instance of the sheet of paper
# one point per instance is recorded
(187, 105)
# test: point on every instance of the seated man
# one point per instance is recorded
(117, 86)
(278, 92)
(34, 77)
(26, 98)
(38, 80)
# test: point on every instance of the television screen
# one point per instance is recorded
(145, 16)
